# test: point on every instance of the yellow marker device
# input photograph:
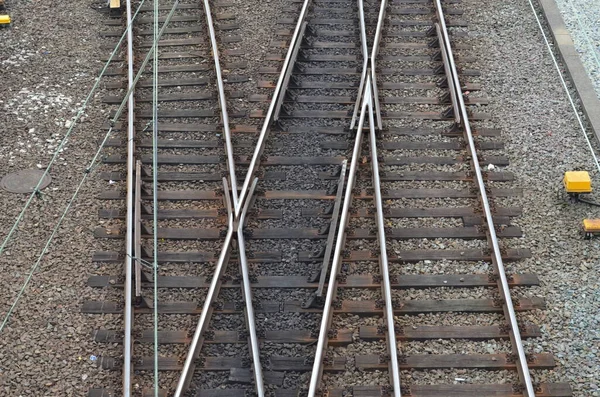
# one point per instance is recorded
(577, 182)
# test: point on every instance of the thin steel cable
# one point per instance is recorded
(63, 142)
(142, 261)
(564, 84)
(155, 193)
(87, 172)
(146, 60)
(47, 245)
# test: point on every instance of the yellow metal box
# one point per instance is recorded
(4, 19)
(115, 3)
(577, 182)
(591, 225)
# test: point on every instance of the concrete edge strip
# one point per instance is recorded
(574, 67)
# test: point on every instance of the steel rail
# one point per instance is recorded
(374, 53)
(128, 310)
(288, 72)
(365, 52)
(515, 335)
(383, 258)
(317, 369)
(213, 291)
(223, 104)
(247, 290)
(155, 196)
(234, 211)
(129, 99)
(449, 77)
(137, 231)
(268, 118)
(130, 90)
(333, 226)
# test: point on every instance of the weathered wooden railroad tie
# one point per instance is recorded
(427, 178)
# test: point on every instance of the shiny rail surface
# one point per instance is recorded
(207, 308)
(383, 257)
(365, 65)
(317, 368)
(373, 63)
(129, 239)
(232, 205)
(297, 37)
(133, 207)
(367, 113)
(508, 307)
(368, 103)
(332, 231)
(132, 268)
(253, 346)
(449, 75)
(295, 48)
(328, 301)
(239, 213)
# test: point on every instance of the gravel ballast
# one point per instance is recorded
(580, 16)
(46, 348)
(543, 140)
(49, 63)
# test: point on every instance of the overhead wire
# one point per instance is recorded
(87, 171)
(61, 145)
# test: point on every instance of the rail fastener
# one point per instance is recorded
(4, 20)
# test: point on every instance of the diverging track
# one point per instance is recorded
(368, 217)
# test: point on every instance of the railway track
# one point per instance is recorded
(359, 246)
(195, 154)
